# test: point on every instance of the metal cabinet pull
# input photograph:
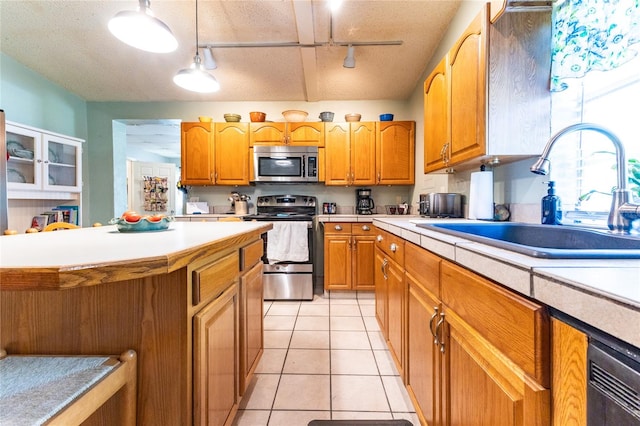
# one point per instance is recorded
(439, 339)
(379, 238)
(431, 324)
(365, 228)
(393, 247)
(338, 228)
(385, 263)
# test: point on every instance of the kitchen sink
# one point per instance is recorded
(545, 241)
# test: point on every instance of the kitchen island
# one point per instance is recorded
(171, 296)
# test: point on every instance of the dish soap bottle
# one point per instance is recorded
(551, 207)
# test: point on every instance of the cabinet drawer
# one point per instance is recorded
(363, 229)
(423, 266)
(211, 280)
(391, 245)
(337, 228)
(251, 254)
(517, 327)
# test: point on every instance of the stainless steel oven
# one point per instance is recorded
(288, 279)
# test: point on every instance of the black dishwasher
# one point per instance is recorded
(613, 390)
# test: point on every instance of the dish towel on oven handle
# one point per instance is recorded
(287, 242)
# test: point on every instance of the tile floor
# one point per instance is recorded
(324, 359)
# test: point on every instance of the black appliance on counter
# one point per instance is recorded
(287, 280)
(364, 202)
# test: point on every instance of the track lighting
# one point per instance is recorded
(142, 30)
(209, 61)
(349, 60)
(196, 78)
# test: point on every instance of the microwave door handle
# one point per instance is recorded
(304, 166)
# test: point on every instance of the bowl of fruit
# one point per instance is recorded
(131, 221)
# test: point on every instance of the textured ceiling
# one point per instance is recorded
(68, 43)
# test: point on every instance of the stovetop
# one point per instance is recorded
(284, 207)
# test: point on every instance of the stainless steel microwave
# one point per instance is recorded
(285, 164)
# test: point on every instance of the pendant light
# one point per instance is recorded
(140, 29)
(195, 78)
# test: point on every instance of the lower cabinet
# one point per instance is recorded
(251, 335)
(348, 256)
(215, 369)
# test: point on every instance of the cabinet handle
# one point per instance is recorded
(431, 324)
(439, 339)
(378, 177)
(338, 228)
(385, 262)
(379, 238)
(365, 228)
(393, 247)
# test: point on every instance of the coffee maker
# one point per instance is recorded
(364, 202)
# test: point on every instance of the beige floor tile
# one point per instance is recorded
(371, 323)
(412, 417)
(277, 322)
(261, 392)
(347, 324)
(397, 394)
(307, 361)
(303, 339)
(367, 302)
(377, 340)
(358, 393)
(366, 295)
(303, 392)
(296, 418)
(266, 305)
(368, 310)
(349, 340)
(277, 338)
(345, 310)
(342, 295)
(312, 323)
(281, 308)
(272, 361)
(314, 310)
(386, 366)
(360, 415)
(317, 300)
(252, 418)
(359, 362)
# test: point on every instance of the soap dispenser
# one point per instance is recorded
(551, 206)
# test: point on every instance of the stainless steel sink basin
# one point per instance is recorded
(545, 241)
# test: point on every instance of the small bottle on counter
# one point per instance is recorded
(551, 207)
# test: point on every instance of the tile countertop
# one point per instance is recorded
(604, 293)
(361, 217)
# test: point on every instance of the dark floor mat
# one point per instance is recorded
(360, 423)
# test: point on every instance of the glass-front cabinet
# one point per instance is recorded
(42, 161)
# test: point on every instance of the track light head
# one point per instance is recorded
(349, 60)
(209, 60)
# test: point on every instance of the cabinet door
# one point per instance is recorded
(24, 167)
(379, 274)
(251, 336)
(215, 367)
(232, 153)
(266, 134)
(337, 257)
(307, 134)
(436, 118)
(363, 254)
(395, 156)
(467, 73)
(337, 154)
(62, 164)
(363, 153)
(396, 321)
(423, 355)
(197, 154)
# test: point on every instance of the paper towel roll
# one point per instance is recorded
(481, 195)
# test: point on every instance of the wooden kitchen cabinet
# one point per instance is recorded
(231, 153)
(395, 152)
(569, 375)
(284, 133)
(350, 157)
(391, 294)
(490, 117)
(197, 154)
(348, 256)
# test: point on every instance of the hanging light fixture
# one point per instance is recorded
(209, 60)
(140, 29)
(196, 78)
(349, 60)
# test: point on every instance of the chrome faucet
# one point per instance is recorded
(622, 212)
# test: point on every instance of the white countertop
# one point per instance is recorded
(604, 293)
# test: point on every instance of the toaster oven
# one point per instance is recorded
(441, 204)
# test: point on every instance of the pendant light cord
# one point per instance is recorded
(196, 27)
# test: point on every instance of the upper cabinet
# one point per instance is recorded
(215, 154)
(395, 152)
(41, 163)
(283, 133)
(490, 101)
(350, 153)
